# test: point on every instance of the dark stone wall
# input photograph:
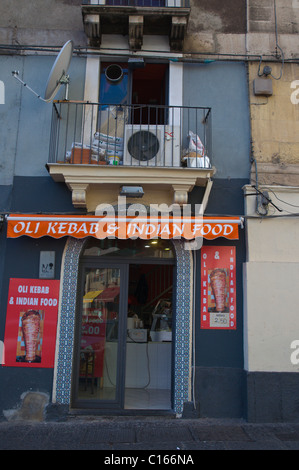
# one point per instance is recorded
(272, 397)
(220, 392)
(217, 15)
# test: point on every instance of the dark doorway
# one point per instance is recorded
(149, 88)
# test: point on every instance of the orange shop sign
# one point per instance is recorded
(124, 227)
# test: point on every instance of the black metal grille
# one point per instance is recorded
(130, 135)
(140, 3)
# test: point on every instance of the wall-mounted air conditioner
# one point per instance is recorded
(152, 145)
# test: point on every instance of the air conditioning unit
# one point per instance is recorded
(152, 145)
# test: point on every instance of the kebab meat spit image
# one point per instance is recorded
(218, 284)
(30, 326)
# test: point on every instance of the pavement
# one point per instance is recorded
(158, 437)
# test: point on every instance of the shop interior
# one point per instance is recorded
(148, 333)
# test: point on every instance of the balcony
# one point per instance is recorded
(95, 149)
(135, 18)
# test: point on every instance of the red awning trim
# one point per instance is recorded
(58, 226)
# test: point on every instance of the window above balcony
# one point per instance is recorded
(135, 18)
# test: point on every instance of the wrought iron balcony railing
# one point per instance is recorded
(130, 135)
(140, 3)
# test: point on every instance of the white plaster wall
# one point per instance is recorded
(271, 282)
(273, 237)
(274, 240)
(271, 316)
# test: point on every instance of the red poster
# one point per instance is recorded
(98, 322)
(218, 287)
(93, 341)
(31, 322)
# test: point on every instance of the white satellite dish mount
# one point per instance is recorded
(58, 74)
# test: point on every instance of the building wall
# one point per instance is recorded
(223, 87)
(25, 186)
(232, 27)
(216, 27)
(248, 371)
(25, 135)
(270, 312)
(262, 30)
(271, 268)
(240, 27)
(275, 126)
(21, 260)
(220, 384)
(26, 22)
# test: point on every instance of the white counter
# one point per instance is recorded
(147, 364)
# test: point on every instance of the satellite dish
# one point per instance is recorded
(58, 75)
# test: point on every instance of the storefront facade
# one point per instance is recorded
(59, 173)
(173, 356)
(205, 375)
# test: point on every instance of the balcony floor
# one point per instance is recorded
(92, 185)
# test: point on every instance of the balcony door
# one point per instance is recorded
(147, 85)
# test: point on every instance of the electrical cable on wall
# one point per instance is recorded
(263, 200)
(261, 205)
(83, 51)
(281, 200)
(268, 70)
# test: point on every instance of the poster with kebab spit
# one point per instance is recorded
(31, 323)
(218, 287)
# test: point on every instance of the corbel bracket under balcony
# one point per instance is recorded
(177, 32)
(135, 22)
(79, 193)
(135, 31)
(180, 193)
(92, 29)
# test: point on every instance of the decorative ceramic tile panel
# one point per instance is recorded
(66, 323)
(183, 346)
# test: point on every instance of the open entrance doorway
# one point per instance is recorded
(149, 337)
(124, 326)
